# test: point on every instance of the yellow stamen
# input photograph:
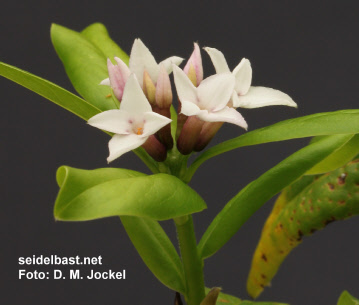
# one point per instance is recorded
(139, 130)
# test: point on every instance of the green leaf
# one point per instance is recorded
(347, 299)
(156, 250)
(226, 299)
(338, 158)
(98, 35)
(93, 194)
(173, 123)
(329, 123)
(253, 196)
(85, 65)
(308, 205)
(49, 91)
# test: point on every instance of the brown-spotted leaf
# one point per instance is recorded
(304, 207)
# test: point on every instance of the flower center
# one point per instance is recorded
(139, 130)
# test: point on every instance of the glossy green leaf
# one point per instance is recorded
(338, 158)
(49, 91)
(85, 65)
(253, 196)
(98, 35)
(329, 123)
(308, 205)
(87, 195)
(347, 299)
(156, 250)
(227, 299)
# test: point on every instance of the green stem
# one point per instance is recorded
(192, 264)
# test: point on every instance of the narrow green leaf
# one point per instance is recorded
(85, 65)
(338, 158)
(173, 123)
(156, 250)
(329, 123)
(87, 195)
(253, 196)
(308, 205)
(347, 299)
(49, 91)
(98, 35)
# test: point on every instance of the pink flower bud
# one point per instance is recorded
(189, 135)
(118, 75)
(194, 68)
(208, 131)
(163, 89)
(149, 88)
(155, 149)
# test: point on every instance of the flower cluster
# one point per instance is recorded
(144, 91)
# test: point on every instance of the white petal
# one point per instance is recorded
(261, 96)
(142, 59)
(115, 121)
(106, 82)
(218, 60)
(120, 144)
(243, 75)
(185, 89)
(215, 91)
(227, 114)
(188, 108)
(171, 60)
(153, 123)
(235, 99)
(133, 99)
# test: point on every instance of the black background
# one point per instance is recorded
(308, 49)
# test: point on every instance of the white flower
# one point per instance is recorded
(132, 124)
(244, 95)
(209, 100)
(141, 61)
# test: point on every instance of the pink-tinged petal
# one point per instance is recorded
(118, 76)
(116, 121)
(163, 89)
(120, 144)
(218, 60)
(141, 59)
(261, 97)
(153, 122)
(134, 100)
(243, 75)
(196, 61)
(215, 91)
(229, 115)
(189, 108)
(167, 63)
(106, 82)
(185, 89)
(235, 99)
